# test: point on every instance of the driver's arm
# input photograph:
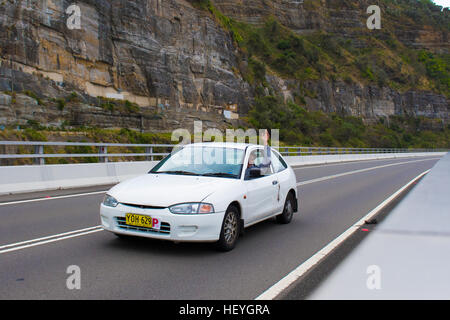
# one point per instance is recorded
(266, 153)
(265, 164)
(266, 161)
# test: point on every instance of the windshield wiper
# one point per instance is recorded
(220, 174)
(179, 172)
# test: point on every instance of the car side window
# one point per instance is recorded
(256, 159)
(259, 156)
(278, 163)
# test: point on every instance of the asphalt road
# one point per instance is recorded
(112, 268)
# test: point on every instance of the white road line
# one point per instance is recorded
(53, 198)
(357, 171)
(48, 237)
(305, 167)
(272, 292)
(49, 241)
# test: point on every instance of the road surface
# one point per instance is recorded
(37, 244)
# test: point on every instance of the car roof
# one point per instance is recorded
(234, 145)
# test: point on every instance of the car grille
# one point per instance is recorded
(142, 206)
(165, 227)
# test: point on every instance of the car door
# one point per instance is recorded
(260, 194)
(282, 176)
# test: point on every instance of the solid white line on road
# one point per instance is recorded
(48, 237)
(272, 292)
(32, 243)
(357, 171)
(54, 198)
(305, 167)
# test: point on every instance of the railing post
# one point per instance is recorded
(39, 149)
(103, 150)
(149, 150)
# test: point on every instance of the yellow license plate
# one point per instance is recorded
(138, 220)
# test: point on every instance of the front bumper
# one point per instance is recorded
(174, 227)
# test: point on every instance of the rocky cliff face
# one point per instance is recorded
(151, 52)
(173, 60)
(372, 102)
(345, 18)
(367, 102)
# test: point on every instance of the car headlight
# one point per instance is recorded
(110, 201)
(192, 208)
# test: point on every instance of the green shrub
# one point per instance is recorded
(34, 96)
(131, 107)
(258, 71)
(299, 126)
(60, 103)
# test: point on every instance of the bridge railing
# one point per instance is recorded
(39, 151)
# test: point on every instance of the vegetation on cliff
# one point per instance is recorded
(374, 58)
(315, 128)
(297, 127)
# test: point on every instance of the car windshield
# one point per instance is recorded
(203, 161)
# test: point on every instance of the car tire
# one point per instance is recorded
(288, 210)
(229, 232)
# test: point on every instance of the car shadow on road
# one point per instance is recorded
(167, 248)
(159, 247)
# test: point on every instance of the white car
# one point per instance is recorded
(201, 192)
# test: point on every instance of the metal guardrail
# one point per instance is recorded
(39, 154)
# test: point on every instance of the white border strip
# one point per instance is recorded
(53, 198)
(294, 275)
(343, 163)
(54, 238)
(358, 171)
(48, 237)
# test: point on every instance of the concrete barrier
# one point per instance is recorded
(20, 179)
(405, 257)
(17, 179)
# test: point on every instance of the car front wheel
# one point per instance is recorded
(230, 230)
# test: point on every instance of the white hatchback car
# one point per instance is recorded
(202, 192)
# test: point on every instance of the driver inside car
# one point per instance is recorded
(264, 166)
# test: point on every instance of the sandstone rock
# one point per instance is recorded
(175, 62)
(148, 48)
(5, 99)
(345, 18)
